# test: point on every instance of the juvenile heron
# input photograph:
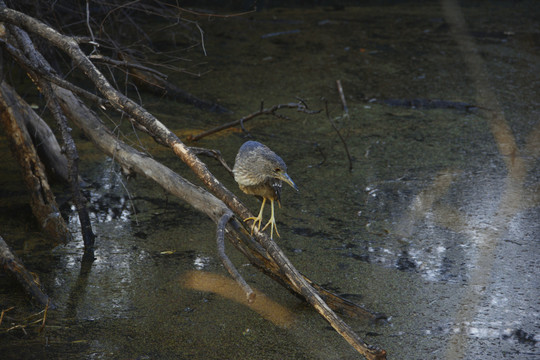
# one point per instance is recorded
(259, 171)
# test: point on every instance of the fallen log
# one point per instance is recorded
(20, 38)
(42, 200)
(42, 137)
(205, 202)
(222, 201)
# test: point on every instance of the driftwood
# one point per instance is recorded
(140, 163)
(41, 134)
(42, 201)
(261, 250)
(20, 38)
(11, 264)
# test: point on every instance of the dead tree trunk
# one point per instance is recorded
(44, 207)
(21, 39)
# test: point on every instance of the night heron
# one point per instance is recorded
(259, 171)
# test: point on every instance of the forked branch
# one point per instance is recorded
(299, 106)
(265, 246)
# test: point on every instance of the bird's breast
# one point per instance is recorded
(270, 189)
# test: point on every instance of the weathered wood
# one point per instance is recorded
(135, 161)
(42, 200)
(11, 264)
(25, 43)
(41, 134)
(165, 136)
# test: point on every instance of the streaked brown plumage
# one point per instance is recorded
(259, 171)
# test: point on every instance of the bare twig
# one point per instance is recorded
(4, 312)
(93, 41)
(126, 64)
(216, 154)
(44, 317)
(339, 134)
(49, 76)
(342, 97)
(207, 14)
(300, 106)
(141, 115)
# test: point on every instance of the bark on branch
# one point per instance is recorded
(24, 42)
(263, 248)
(10, 263)
(13, 112)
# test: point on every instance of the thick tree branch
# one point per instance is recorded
(25, 43)
(165, 136)
(42, 201)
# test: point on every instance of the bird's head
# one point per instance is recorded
(280, 172)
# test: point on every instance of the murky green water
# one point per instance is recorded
(436, 225)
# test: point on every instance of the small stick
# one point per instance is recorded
(5, 311)
(342, 96)
(339, 134)
(216, 154)
(220, 237)
(126, 64)
(300, 106)
(44, 317)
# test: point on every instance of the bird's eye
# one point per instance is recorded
(277, 170)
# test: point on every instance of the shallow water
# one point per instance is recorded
(436, 225)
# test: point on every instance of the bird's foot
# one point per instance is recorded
(255, 220)
(272, 224)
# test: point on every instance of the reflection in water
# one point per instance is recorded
(228, 288)
(436, 225)
(489, 239)
(201, 262)
(109, 210)
(106, 198)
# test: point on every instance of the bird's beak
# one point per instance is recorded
(285, 177)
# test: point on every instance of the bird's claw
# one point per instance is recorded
(273, 226)
(255, 221)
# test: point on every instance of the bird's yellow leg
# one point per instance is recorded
(257, 219)
(271, 222)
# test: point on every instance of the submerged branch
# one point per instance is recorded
(157, 83)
